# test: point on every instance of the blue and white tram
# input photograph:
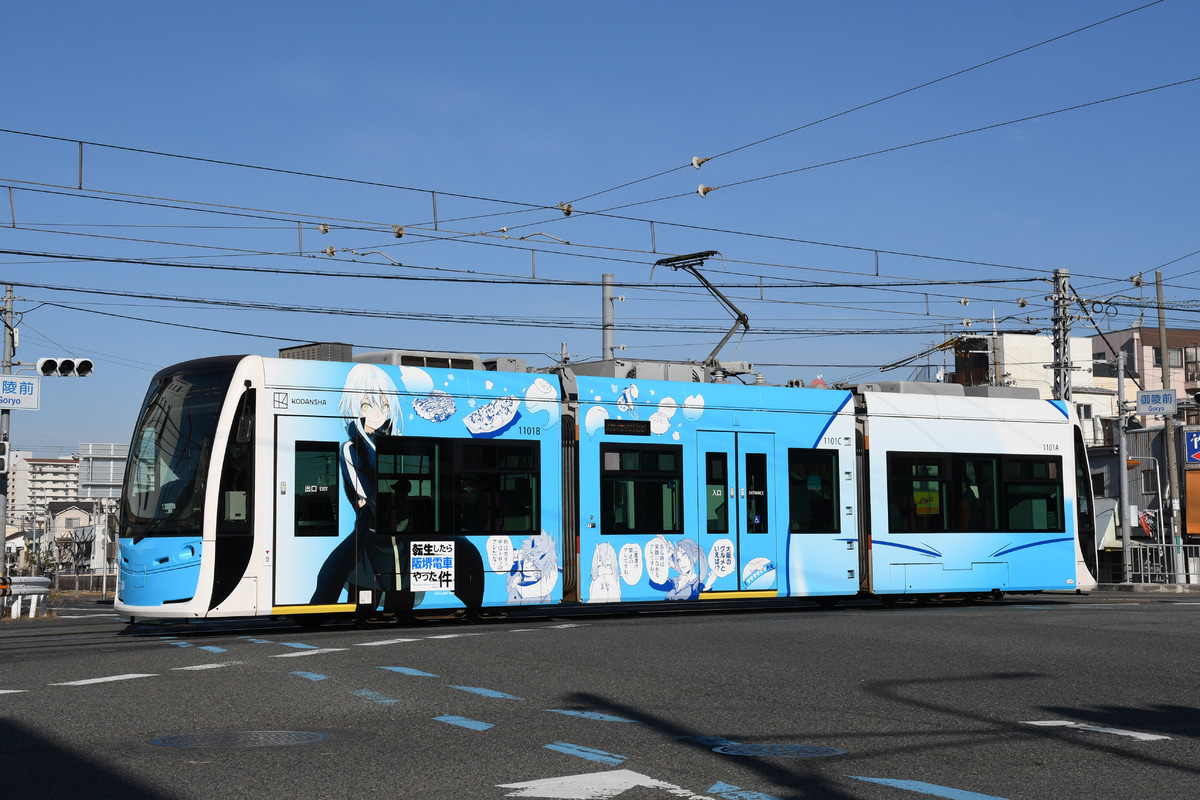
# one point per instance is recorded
(278, 487)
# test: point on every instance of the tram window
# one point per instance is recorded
(757, 501)
(316, 488)
(235, 507)
(917, 491)
(813, 491)
(1033, 498)
(641, 489)
(978, 506)
(716, 489)
(457, 486)
(974, 493)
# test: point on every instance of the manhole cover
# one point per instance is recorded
(778, 750)
(241, 739)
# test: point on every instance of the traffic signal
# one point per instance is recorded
(3, 457)
(65, 367)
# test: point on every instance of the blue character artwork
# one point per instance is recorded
(534, 572)
(370, 404)
(690, 567)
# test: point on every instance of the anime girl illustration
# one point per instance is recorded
(534, 572)
(606, 580)
(687, 559)
(371, 405)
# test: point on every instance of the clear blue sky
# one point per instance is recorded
(506, 110)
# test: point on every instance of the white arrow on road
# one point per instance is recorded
(596, 786)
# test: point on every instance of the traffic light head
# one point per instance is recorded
(65, 367)
(3, 457)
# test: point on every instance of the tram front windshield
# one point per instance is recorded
(168, 466)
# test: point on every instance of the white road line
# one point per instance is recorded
(1064, 723)
(314, 652)
(208, 666)
(109, 679)
(453, 635)
(12, 691)
(385, 641)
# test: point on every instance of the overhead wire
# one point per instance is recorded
(876, 102)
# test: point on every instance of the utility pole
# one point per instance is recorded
(1062, 336)
(1122, 470)
(6, 368)
(1169, 435)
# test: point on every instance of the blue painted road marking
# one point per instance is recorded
(182, 644)
(929, 788)
(586, 752)
(486, 692)
(312, 676)
(410, 671)
(299, 646)
(463, 722)
(592, 715)
(212, 649)
(374, 697)
(256, 641)
(727, 792)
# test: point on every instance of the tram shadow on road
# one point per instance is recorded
(36, 766)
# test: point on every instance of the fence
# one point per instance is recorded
(1154, 563)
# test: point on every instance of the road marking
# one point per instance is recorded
(463, 722)
(570, 625)
(208, 666)
(591, 754)
(374, 697)
(1064, 723)
(180, 644)
(12, 691)
(312, 676)
(214, 649)
(410, 671)
(88, 616)
(596, 786)
(486, 692)
(596, 715)
(256, 641)
(453, 635)
(728, 792)
(299, 645)
(385, 641)
(314, 652)
(929, 788)
(110, 679)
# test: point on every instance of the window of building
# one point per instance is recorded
(1174, 354)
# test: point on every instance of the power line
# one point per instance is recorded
(884, 99)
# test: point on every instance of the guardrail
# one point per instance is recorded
(1155, 563)
(24, 592)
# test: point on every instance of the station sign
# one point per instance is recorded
(1157, 401)
(20, 391)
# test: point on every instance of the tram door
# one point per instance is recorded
(738, 507)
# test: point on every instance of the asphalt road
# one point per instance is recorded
(1029, 697)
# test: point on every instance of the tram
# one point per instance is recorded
(388, 486)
